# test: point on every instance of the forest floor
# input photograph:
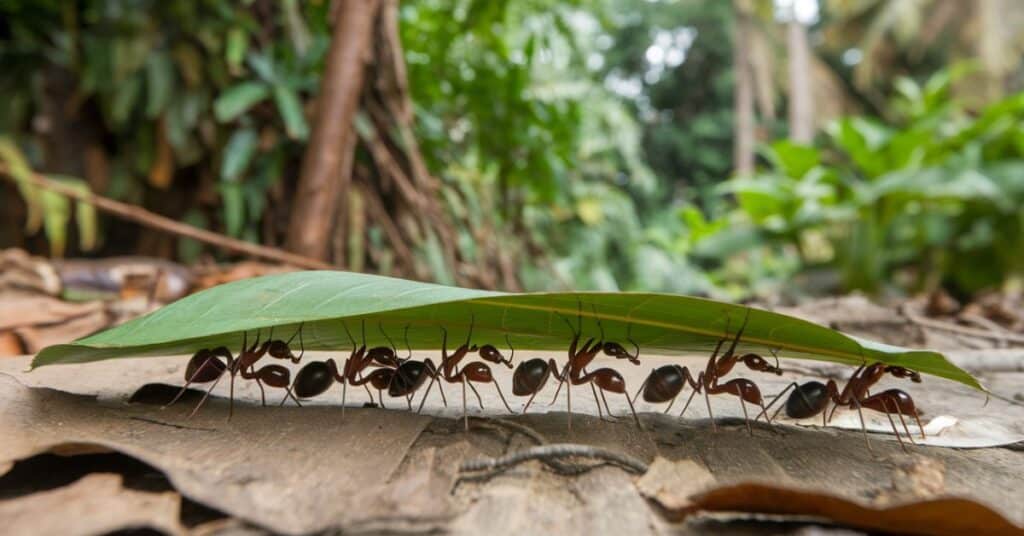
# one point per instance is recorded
(87, 449)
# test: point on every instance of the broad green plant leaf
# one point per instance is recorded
(326, 302)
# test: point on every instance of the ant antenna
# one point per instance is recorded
(407, 341)
(364, 331)
(380, 326)
(509, 341)
(349, 333)
(298, 331)
(629, 337)
(302, 345)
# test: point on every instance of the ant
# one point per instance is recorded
(574, 372)
(812, 398)
(207, 366)
(746, 390)
(410, 375)
(273, 375)
(359, 360)
(474, 371)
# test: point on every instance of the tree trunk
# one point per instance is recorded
(801, 99)
(330, 146)
(744, 136)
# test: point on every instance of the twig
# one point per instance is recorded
(149, 219)
(547, 453)
(962, 330)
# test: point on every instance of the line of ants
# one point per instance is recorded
(381, 368)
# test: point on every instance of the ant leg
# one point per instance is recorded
(776, 399)
(764, 411)
(408, 400)
(633, 410)
(440, 389)
(707, 399)
(231, 398)
(530, 401)
(344, 394)
(502, 395)
(263, 394)
(289, 393)
(671, 403)
(688, 400)
(642, 385)
(568, 402)
(919, 427)
(465, 414)
(608, 410)
(427, 393)
(187, 383)
(746, 418)
(205, 396)
(885, 408)
(863, 427)
(380, 397)
(600, 414)
(477, 393)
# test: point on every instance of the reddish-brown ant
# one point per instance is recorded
(813, 397)
(359, 360)
(574, 372)
(472, 372)
(207, 366)
(665, 383)
(273, 375)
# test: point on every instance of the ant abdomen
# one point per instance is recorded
(664, 384)
(408, 377)
(205, 366)
(807, 400)
(529, 377)
(313, 380)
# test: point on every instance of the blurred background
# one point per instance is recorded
(756, 149)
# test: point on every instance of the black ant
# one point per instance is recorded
(472, 372)
(812, 398)
(359, 360)
(410, 375)
(574, 372)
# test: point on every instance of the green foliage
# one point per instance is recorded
(934, 199)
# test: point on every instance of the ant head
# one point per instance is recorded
(489, 353)
(901, 372)
(617, 351)
(760, 364)
(280, 349)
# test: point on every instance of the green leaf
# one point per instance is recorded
(290, 106)
(159, 83)
(237, 44)
(237, 154)
(660, 323)
(234, 208)
(236, 100)
(56, 213)
(85, 214)
(21, 172)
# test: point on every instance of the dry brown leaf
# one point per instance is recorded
(671, 483)
(935, 516)
(32, 310)
(293, 470)
(95, 504)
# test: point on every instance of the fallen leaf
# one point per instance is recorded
(671, 483)
(95, 504)
(950, 515)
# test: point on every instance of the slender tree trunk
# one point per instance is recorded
(323, 174)
(801, 98)
(744, 136)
